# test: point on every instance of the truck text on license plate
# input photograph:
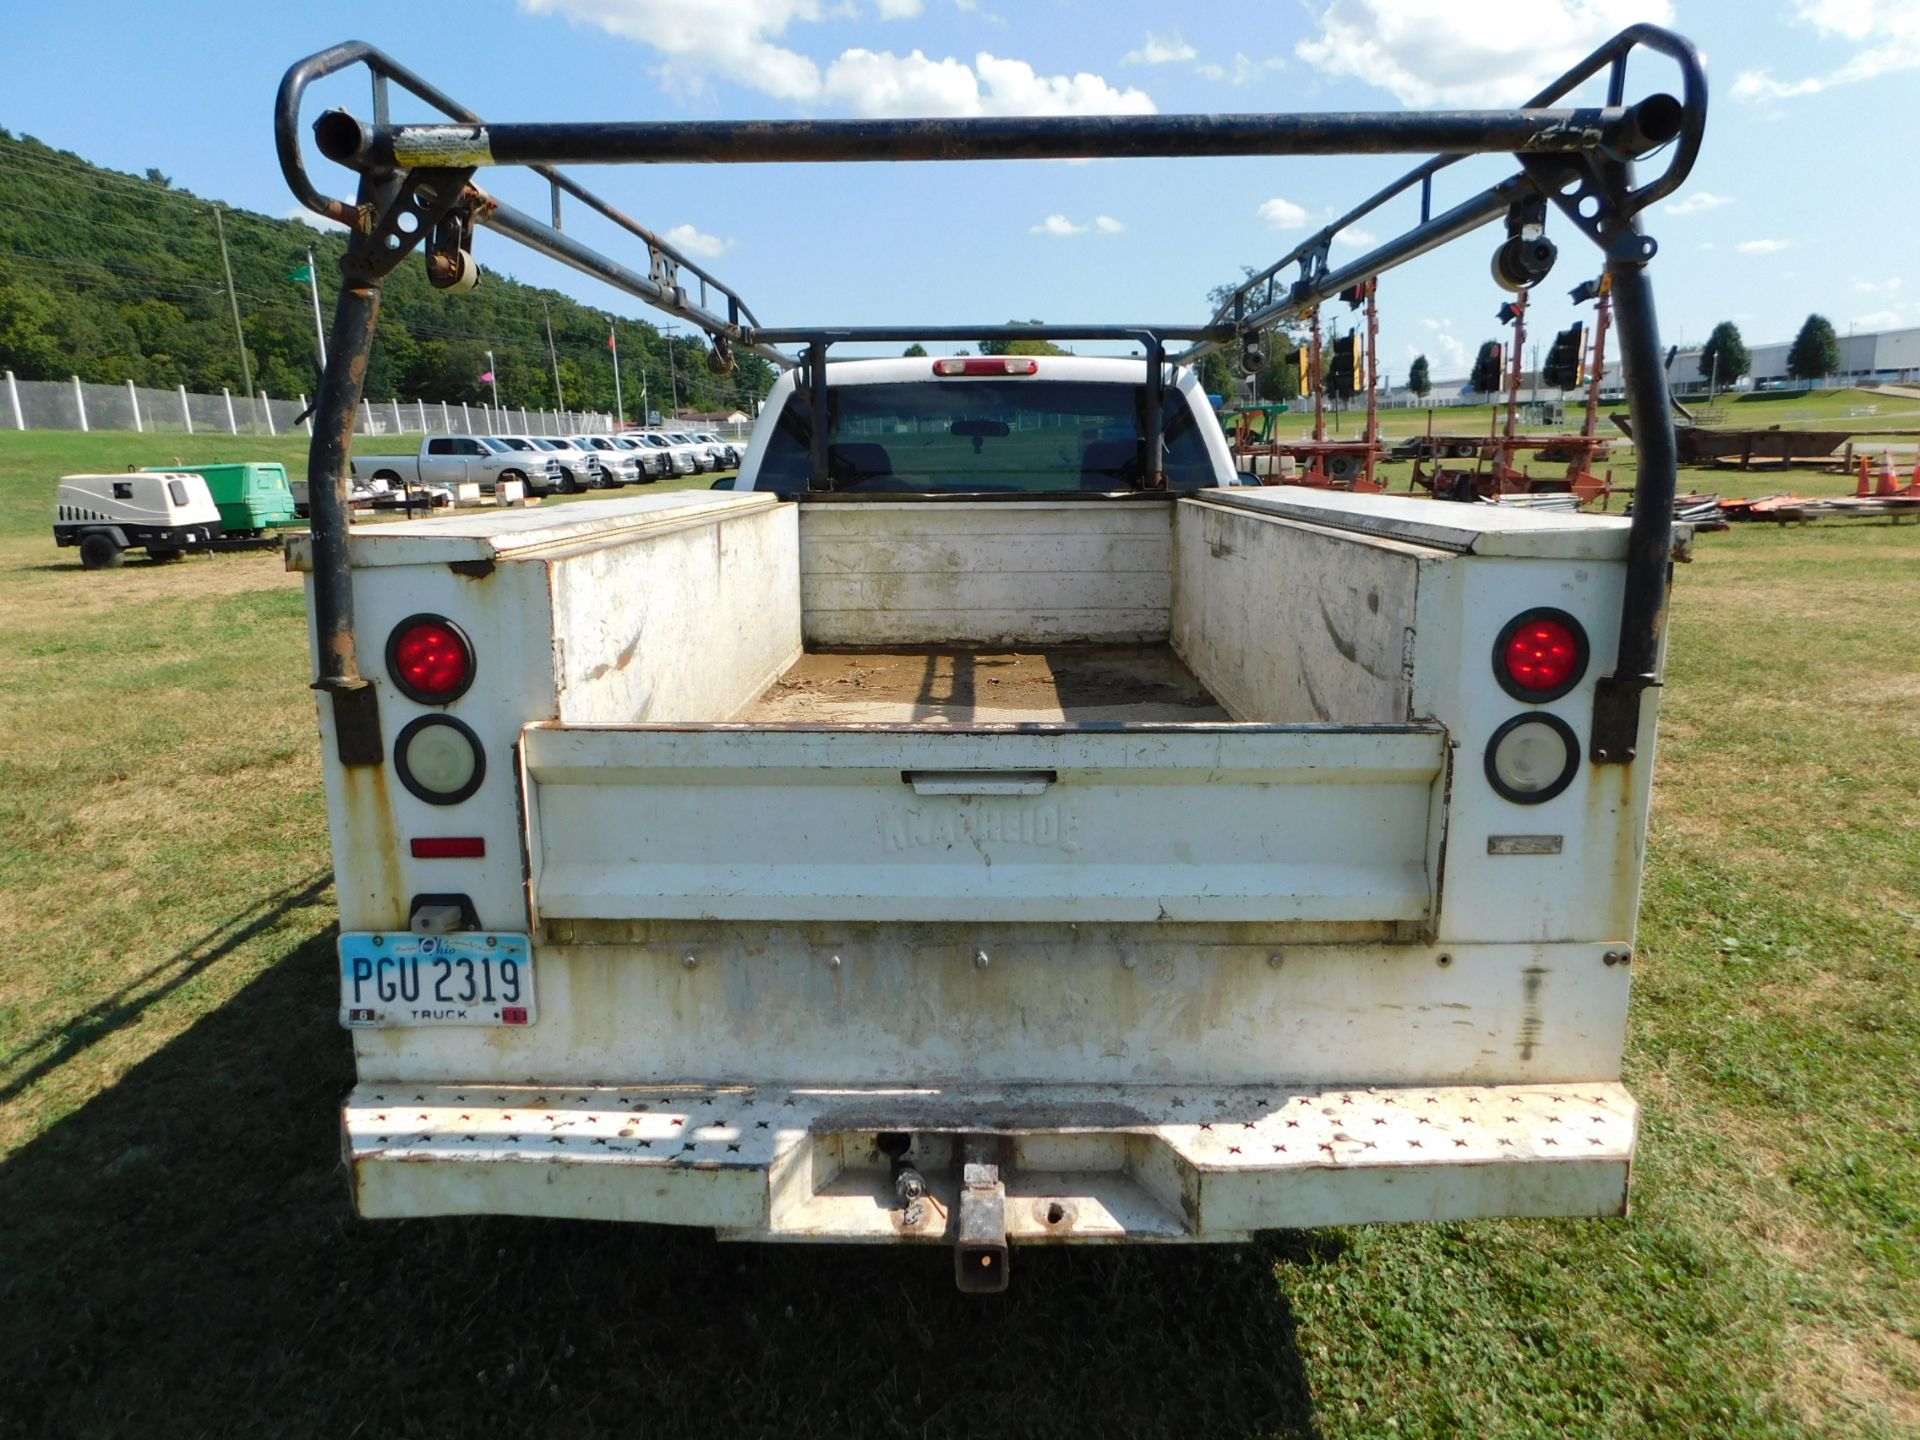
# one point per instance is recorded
(471, 978)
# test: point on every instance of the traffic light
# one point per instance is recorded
(1508, 312)
(1302, 367)
(1343, 374)
(1566, 358)
(1355, 295)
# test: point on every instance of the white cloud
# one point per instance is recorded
(307, 217)
(736, 40)
(696, 242)
(1353, 235)
(1877, 320)
(1245, 69)
(1877, 287)
(1058, 224)
(1283, 214)
(898, 9)
(1887, 32)
(1698, 201)
(876, 83)
(1160, 52)
(1486, 53)
(1447, 358)
(1762, 247)
(1012, 87)
(740, 41)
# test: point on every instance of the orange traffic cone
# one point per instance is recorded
(1914, 487)
(1889, 483)
(1862, 490)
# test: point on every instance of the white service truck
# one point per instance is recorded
(987, 824)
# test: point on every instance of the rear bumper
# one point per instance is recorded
(1084, 1164)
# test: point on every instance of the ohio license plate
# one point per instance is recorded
(470, 978)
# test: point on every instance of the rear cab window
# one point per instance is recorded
(984, 437)
(178, 490)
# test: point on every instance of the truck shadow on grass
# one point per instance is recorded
(182, 1259)
(54, 1047)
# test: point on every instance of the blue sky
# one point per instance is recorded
(1804, 197)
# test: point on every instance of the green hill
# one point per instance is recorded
(117, 277)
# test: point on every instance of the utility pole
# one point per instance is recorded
(673, 374)
(319, 330)
(239, 335)
(619, 404)
(558, 402)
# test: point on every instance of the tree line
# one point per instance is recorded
(116, 277)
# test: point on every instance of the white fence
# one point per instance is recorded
(75, 405)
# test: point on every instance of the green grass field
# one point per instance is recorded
(181, 1258)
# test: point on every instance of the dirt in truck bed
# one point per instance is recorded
(1068, 684)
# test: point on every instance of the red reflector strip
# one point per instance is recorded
(449, 847)
(987, 365)
(513, 1014)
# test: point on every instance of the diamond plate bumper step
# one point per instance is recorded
(1080, 1163)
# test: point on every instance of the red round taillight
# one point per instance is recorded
(430, 659)
(1540, 655)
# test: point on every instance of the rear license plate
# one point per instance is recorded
(471, 978)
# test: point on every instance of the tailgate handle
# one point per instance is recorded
(978, 782)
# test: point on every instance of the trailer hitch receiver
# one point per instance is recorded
(980, 1232)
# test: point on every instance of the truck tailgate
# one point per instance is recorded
(1221, 823)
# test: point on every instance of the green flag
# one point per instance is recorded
(302, 276)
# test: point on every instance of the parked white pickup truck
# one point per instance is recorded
(986, 823)
(455, 460)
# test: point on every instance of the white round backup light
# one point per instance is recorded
(1532, 758)
(439, 760)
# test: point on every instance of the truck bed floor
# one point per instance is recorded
(1069, 684)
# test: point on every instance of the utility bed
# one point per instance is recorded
(990, 820)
